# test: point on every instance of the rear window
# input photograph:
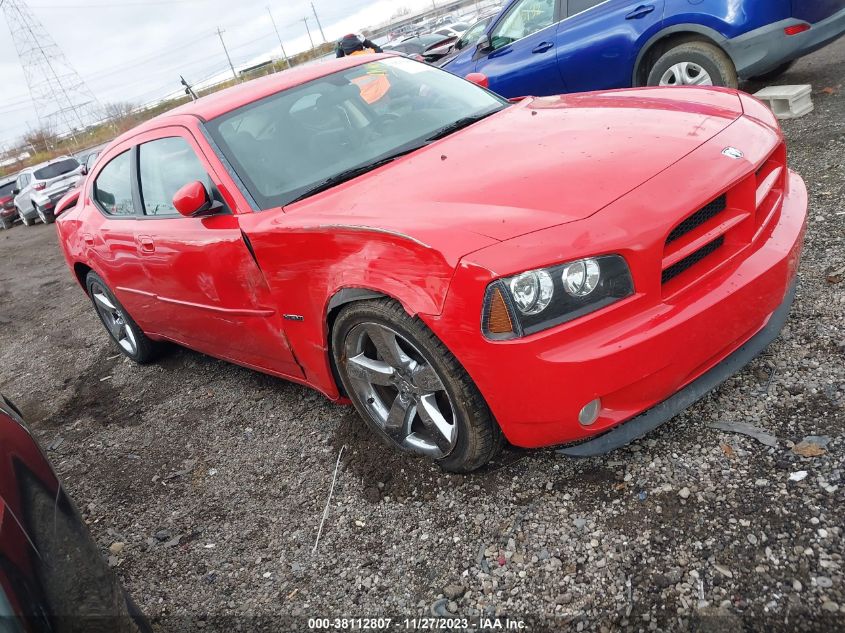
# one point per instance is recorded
(6, 190)
(56, 169)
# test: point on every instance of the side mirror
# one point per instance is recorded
(192, 199)
(485, 43)
(67, 202)
(479, 79)
(83, 170)
(15, 191)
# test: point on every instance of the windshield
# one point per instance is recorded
(56, 169)
(286, 144)
(6, 190)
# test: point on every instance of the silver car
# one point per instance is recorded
(39, 188)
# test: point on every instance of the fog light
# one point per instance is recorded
(590, 412)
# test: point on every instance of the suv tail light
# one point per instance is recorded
(795, 29)
(38, 186)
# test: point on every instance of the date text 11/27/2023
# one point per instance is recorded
(421, 624)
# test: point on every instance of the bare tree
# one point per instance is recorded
(41, 139)
(119, 111)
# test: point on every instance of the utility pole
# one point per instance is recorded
(226, 50)
(316, 17)
(309, 32)
(275, 28)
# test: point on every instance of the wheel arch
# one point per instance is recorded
(341, 298)
(673, 35)
(80, 271)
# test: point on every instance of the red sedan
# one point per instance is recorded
(463, 269)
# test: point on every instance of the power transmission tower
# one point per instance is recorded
(316, 17)
(226, 50)
(62, 100)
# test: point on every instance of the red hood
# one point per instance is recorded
(543, 162)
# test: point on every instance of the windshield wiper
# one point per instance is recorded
(459, 125)
(349, 174)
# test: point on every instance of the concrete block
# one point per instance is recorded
(787, 102)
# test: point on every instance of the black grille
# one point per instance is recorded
(698, 218)
(691, 260)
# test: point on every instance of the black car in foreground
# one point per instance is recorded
(52, 576)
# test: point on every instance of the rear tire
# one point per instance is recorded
(121, 327)
(44, 216)
(774, 73)
(693, 63)
(426, 382)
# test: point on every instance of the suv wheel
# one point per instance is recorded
(26, 221)
(693, 64)
(44, 216)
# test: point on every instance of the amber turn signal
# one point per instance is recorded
(498, 318)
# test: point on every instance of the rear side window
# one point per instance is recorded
(56, 169)
(166, 166)
(113, 187)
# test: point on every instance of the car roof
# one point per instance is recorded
(8, 179)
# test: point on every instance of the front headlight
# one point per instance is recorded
(539, 299)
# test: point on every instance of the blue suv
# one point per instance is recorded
(546, 47)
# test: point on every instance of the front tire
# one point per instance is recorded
(121, 327)
(693, 64)
(411, 391)
(26, 221)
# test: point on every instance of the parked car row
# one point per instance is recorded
(32, 195)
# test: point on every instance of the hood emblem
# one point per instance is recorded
(732, 152)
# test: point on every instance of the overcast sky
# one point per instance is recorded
(135, 50)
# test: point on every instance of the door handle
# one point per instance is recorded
(147, 244)
(542, 47)
(641, 11)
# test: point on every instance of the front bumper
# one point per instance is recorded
(766, 48)
(637, 354)
(660, 414)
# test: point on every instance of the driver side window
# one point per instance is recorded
(524, 19)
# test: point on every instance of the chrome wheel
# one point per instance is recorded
(400, 390)
(686, 74)
(41, 215)
(114, 320)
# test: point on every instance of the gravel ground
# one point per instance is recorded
(205, 483)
